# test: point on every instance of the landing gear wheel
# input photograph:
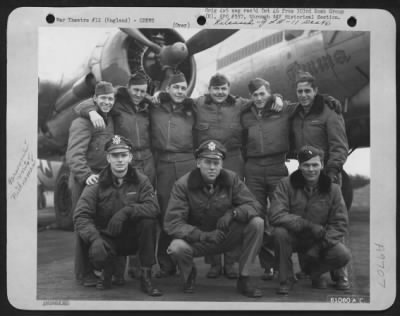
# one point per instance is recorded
(347, 190)
(62, 200)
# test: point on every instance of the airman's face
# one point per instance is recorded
(119, 161)
(260, 97)
(306, 93)
(178, 91)
(311, 169)
(219, 93)
(209, 168)
(137, 92)
(104, 101)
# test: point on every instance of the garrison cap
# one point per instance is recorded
(303, 76)
(176, 78)
(118, 144)
(219, 80)
(138, 78)
(212, 149)
(307, 152)
(103, 87)
(257, 83)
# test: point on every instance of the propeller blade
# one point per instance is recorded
(168, 73)
(137, 35)
(206, 39)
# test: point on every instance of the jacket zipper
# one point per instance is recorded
(168, 131)
(138, 135)
(261, 137)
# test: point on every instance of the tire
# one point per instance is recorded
(347, 190)
(62, 200)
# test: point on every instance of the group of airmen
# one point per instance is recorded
(206, 177)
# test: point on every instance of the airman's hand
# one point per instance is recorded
(215, 236)
(277, 106)
(224, 221)
(97, 120)
(333, 176)
(333, 103)
(318, 231)
(116, 222)
(154, 98)
(92, 179)
(97, 250)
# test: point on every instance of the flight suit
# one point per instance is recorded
(266, 139)
(133, 122)
(99, 203)
(222, 122)
(267, 142)
(85, 152)
(323, 128)
(294, 209)
(193, 209)
(172, 140)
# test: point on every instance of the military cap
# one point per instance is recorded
(307, 152)
(257, 83)
(118, 144)
(212, 149)
(303, 76)
(138, 78)
(176, 78)
(219, 80)
(103, 87)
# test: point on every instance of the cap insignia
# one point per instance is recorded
(116, 140)
(211, 146)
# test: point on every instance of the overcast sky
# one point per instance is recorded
(62, 49)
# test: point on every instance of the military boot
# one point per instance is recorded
(104, 283)
(145, 283)
(244, 287)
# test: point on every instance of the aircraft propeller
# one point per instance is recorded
(171, 56)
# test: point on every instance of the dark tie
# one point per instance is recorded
(119, 181)
(309, 190)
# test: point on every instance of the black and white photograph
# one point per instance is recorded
(184, 167)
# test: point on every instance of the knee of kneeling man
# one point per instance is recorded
(345, 255)
(178, 247)
(257, 223)
(98, 258)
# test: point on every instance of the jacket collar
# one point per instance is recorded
(196, 181)
(106, 177)
(298, 182)
(124, 98)
(316, 108)
(230, 100)
(104, 115)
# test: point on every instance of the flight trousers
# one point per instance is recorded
(285, 243)
(243, 238)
